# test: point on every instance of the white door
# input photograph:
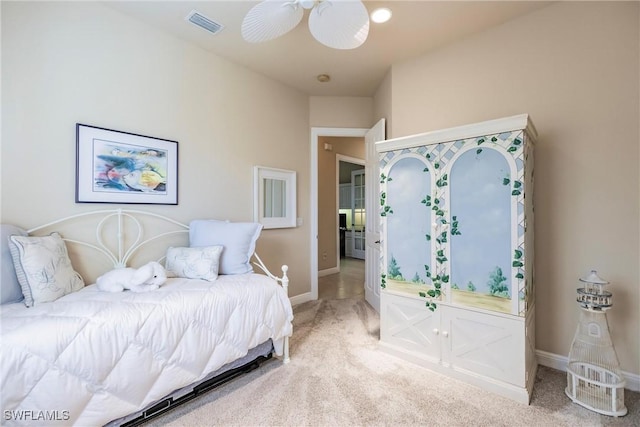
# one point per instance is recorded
(358, 215)
(372, 234)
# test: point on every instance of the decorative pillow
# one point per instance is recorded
(194, 263)
(237, 238)
(43, 268)
(10, 290)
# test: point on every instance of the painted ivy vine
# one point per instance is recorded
(384, 208)
(436, 203)
(515, 145)
(517, 186)
(384, 211)
(512, 148)
(518, 263)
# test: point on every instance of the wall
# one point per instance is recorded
(382, 101)
(327, 187)
(71, 62)
(574, 67)
(341, 111)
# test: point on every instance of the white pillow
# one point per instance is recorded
(237, 238)
(10, 290)
(194, 263)
(43, 268)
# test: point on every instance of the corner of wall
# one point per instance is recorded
(382, 103)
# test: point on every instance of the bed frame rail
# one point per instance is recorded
(170, 403)
(284, 281)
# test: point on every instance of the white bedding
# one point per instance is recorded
(91, 357)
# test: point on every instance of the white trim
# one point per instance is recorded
(551, 360)
(349, 159)
(556, 361)
(329, 271)
(316, 133)
(489, 127)
(302, 298)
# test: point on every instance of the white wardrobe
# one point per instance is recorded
(456, 209)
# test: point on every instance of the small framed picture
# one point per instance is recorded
(123, 167)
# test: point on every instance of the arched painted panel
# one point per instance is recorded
(480, 199)
(408, 249)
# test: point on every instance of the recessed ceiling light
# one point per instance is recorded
(323, 78)
(380, 15)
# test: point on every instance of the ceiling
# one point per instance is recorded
(296, 58)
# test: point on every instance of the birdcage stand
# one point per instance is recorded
(594, 378)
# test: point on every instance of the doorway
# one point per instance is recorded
(341, 214)
(340, 197)
(376, 133)
(348, 283)
(351, 206)
(319, 227)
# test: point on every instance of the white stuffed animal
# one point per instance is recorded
(146, 278)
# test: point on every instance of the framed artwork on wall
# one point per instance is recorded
(123, 167)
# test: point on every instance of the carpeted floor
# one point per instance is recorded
(338, 377)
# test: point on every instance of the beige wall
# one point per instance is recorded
(574, 68)
(327, 188)
(382, 101)
(341, 111)
(64, 63)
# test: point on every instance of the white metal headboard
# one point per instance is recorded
(121, 254)
(123, 251)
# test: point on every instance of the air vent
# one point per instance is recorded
(202, 21)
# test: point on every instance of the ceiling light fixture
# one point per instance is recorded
(323, 78)
(381, 15)
(339, 24)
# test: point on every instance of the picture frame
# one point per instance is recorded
(123, 167)
(275, 201)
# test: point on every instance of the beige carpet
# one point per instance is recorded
(338, 377)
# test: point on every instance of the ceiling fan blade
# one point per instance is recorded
(340, 24)
(270, 19)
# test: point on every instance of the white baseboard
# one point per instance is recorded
(328, 271)
(299, 299)
(558, 362)
(551, 360)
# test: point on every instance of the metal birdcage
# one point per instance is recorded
(594, 378)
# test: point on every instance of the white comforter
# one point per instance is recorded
(91, 357)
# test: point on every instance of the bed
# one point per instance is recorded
(89, 357)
